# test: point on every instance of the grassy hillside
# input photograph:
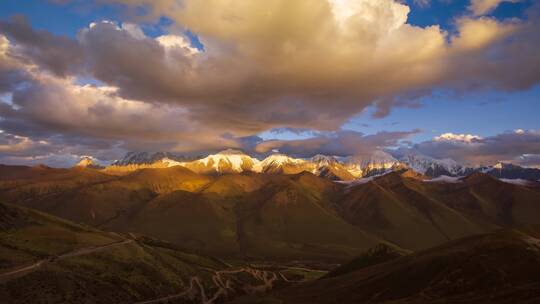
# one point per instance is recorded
(50, 260)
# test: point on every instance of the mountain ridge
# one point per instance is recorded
(344, 169)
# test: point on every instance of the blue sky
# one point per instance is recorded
(480, 113)
(444, 12)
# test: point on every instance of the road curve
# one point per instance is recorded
(78, 252)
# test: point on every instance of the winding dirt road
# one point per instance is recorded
(23, 270)
(224, 285)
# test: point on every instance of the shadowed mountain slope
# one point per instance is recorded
(502, 267)
(416, 214)
(253, 216)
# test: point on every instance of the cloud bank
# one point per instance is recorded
(518, 146)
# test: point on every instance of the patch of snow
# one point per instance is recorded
(534, 243)
(517, 181)
(360, 181)
(445, 179)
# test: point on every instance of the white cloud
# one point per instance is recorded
(467, 138)
(519, 147)
(482, 7)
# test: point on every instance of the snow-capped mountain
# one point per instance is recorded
(228, 161)
(433, 167)
(344, 169)
(510, 171)
(330, 167)
(281, 163)
(379, 162)
(88, 162)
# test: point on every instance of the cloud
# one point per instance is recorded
(338, 143)
(14, 144)
(422, 3)
(303, 65)
(468, 138)
(482, 7)
(59, 54)
(519, 146)
(529, 160)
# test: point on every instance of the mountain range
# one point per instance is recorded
(227, 226)
(335, 168)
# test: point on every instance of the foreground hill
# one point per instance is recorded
(502, 267)
(243, 215)
(44, 259)
(278, 216)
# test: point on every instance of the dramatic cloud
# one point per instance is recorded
(56, 53)
(519, 146)
(304, 64)
(339, 143)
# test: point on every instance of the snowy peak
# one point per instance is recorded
(378, 162)
(323, 160)
(432, 167)
(505, 166)
(282, 159)
(227, 161)
(88, 162)
(329, 167)
(280, 163)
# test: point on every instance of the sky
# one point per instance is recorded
(444, 78)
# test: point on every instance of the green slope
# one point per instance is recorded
(44, 259)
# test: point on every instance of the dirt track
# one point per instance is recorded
(22, 270)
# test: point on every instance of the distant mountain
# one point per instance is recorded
(228, 161)
(433, 167)
(329, 167)
(377, 163)
(345, 169)
(282, 164)
(509, 171)
(88, 162)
